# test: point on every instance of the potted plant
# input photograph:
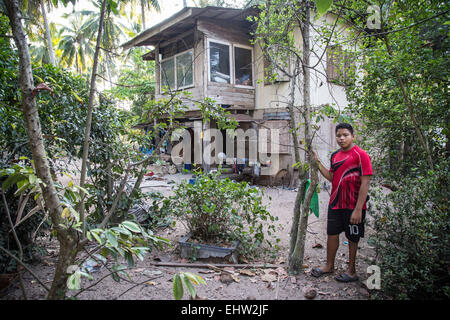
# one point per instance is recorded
(222, 216)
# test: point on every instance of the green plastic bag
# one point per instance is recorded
(314, 206)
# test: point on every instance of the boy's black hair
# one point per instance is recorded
(344, 126)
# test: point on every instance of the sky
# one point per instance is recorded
(168, 8)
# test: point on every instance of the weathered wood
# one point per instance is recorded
(219, 30)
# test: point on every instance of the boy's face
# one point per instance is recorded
(344, 138)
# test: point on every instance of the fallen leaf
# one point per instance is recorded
(151, 283)
(253, 280)
(247, 272)
(317, 246)
(230, 269)
(206, 271)
(281, 260)
(268, 277)
(281, 272)
(235, 278)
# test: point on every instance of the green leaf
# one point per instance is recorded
(323, 6)
(177, 287)
(188, 285)
(74, 281)
(112, 239)
(131, 226)
(196, 279)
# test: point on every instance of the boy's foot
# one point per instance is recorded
(318, 272)
(344, 277)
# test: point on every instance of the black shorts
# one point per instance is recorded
(339, 221)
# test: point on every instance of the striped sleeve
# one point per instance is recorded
(366, 165)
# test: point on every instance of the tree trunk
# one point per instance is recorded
(66, 237)
(51, 52)
(87, 131)
(297, 252)
(143, 14)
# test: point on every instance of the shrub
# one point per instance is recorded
(412, 237)
(221, 210)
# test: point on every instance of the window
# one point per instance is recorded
(243, 66)
(219, 62)
(229, 63)
(168, 73)
(338, 63)
(177, 72)
(185, 74)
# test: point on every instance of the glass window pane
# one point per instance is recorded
(219, 62)
(184, 70)
(168, 74)
(243, 66)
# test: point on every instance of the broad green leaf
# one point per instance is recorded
(131, 226)
(177, 287)
(74, 281)
(188, 285)
(112, 239)
(323, 6)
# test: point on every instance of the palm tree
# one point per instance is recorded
(34, 9)
(75, 44)
(144, 4)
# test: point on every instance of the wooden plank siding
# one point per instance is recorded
(222, 93)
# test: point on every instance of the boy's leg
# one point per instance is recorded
(352, 249)
(332, 247)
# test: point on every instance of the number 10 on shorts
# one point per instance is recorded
(354, 230)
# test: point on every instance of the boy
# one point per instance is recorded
(350, 175)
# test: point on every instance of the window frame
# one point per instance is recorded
(176, 88)
(231, 46)
(229, 55)
(234, 66)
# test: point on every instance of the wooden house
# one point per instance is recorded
(208, 52)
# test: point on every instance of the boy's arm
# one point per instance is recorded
(362, 196)
(327, 174)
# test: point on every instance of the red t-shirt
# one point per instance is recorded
(347, 168)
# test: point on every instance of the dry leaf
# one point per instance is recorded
(151, 283)
(235, 278)
(281, 260)
(318, 246)
(247, 272)
(281, 272)
(206, 271)
(268, 277)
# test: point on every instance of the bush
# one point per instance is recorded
(412, 237)
(220, 210)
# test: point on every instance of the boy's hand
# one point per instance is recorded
(315, 157)
(356, 217)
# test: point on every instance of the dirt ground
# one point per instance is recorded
(153, 282)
